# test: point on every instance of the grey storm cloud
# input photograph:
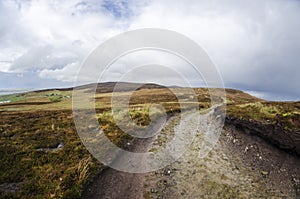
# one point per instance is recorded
(255, 44)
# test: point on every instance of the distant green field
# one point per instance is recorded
(12, 97)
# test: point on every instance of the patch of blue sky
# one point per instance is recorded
(116, 8)
(119, 9)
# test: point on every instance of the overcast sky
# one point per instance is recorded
(254, 43)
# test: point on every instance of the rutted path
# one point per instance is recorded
(239, 166)
(118, 184)
(113, 184)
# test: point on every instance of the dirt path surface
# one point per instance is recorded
(239, 166)
(114, 184)
(118, 184)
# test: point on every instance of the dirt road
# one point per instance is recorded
(239, 166)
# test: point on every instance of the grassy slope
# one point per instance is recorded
(40, 120)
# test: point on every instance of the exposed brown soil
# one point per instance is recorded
(111, 183)
(280, 170)
(118, 184)
(274, 133)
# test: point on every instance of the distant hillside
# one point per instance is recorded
(60, 98)
(108, 87)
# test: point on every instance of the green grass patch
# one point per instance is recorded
(13, 97)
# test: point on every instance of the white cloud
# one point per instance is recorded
(66, 74)
(153, 66)
(52, 34)
(254, 43)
